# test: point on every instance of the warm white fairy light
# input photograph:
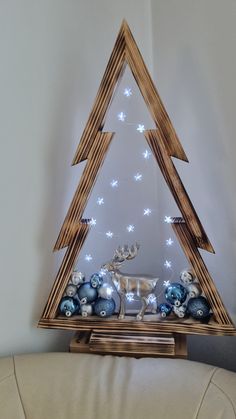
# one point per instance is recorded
(129, 296)
(138, 177)
(114, 183)
(168, 219)
(88, 258)
(146, 154)
(127, 92)
(93, 222)
(121, 116)
(100, 201)
(169, 242)
(168, 264)
(130, 228)
(140, 128)
(109, 234)
(147, 211)
(166, 283)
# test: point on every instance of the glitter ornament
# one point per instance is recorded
(68, 306)
(71, 290)
(198, 308)
(176, 294)
(104, 307)
(77, 278)
(96, 280)
(165, 309)
(87, 294)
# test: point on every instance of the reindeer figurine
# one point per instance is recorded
(141, 286)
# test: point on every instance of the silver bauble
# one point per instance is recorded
(77, 278)
(180, 311)
(187, 276)
(194, 290)
(86, 310)
(71, 290)
(105, 291)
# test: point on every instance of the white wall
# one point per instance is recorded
(194, 68)
(53, 55)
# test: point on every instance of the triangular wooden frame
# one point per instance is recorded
(164, 144)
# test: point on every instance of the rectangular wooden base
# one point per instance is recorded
(128, 343)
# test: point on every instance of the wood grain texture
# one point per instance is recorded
(65, 271)
(206, 282)
(129, 343)
(158, 146)
(151, 96)
(94, 163)
(164, 144)
(189, 328)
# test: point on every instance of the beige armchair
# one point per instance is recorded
(81, 386)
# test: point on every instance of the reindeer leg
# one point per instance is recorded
(122, 306)
(143, 309)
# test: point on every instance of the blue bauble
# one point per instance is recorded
(176, 294)
(165, 309)
(96, 280)
(87, 294)
(104, 308)
(69, 306)
(198, 307)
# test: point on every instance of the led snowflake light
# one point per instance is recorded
(129, 296)
(146, 154)
(169, 242)
(121, 116)
(130, 228)
(114, 183)
(138, 177)
(140, 128)
(103, 272)
(168, 264)
(93, 222)
(127, 92)
(152, 298)
(168, 219)
(166, 283)
(147, 211)
(88, 258)
(109, 234)
(100, 201)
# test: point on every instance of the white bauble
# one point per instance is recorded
(86, 310)
(105, 291)
(187, 276)
(194, 290)
(180, 311)
(77, 278)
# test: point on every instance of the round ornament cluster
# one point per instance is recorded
(87, 298)
(184, 298)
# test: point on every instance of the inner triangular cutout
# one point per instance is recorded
(189, 231)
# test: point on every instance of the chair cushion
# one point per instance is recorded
(63, 385)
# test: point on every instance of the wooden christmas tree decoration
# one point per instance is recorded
(164, 144)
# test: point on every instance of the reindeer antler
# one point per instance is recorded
(126, 253)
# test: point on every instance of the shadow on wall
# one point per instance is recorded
(203, 134)
(60, 180)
